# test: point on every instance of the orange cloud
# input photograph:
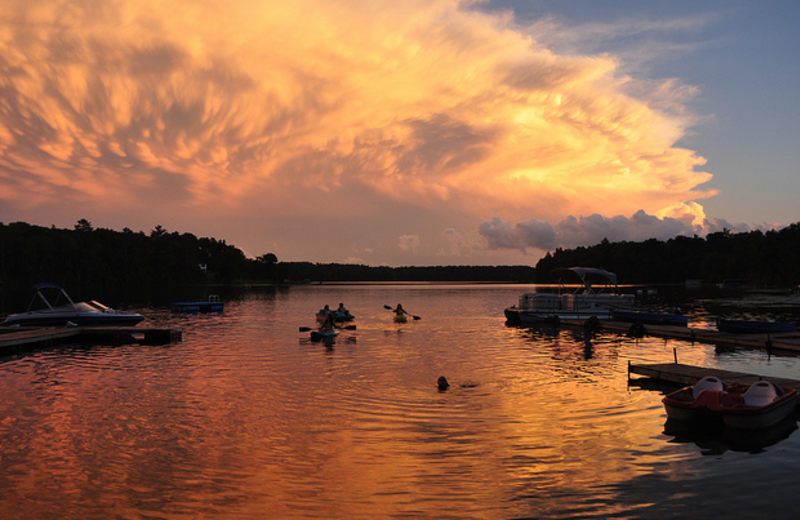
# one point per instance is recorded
(429, 103)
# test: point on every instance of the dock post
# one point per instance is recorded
(675, 354)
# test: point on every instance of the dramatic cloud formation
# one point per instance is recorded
(586, 231)
(267, 110)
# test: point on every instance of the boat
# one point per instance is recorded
(759, 405)
(400, 318)
(650, 318)
(323, 336)
(55, 314)
(212, 305)
(336, 316)
(754, 327)
(587, 300)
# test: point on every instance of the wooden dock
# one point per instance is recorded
(680, 374)
(13, 340)
(789, 341)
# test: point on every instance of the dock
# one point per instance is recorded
(789, 341)
(14, 340)
(684, 375)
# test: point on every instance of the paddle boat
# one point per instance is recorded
(759, 405)
(91, 313)
(596, 294)
(754, 327)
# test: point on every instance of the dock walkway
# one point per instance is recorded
(681, 374)
(13, 340)
(779, 341)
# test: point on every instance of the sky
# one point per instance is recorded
(422, 132)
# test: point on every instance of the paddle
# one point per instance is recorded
(389, 307)
(346, 327)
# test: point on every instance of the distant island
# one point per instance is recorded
(124, 266)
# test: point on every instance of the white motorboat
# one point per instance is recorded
(56, 314)
(589, 298)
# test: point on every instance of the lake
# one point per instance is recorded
(246, 418)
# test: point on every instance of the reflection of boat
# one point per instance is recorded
(650, 318)
(759, 405)
(754, 327)
(89, 313)
(585, 301)
(715, 439)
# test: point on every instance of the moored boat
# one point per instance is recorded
(650, 318)
(214, 304)
(754, 327)
(755, 406)
(91, 313)
(588, 299)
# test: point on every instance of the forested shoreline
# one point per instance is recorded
(127, 266)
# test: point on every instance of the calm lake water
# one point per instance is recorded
(246, 418)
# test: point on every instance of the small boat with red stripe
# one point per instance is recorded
(759, 405)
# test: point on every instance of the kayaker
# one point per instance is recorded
(343, 310)
(399, 310)
(325, 311)
(327, 325)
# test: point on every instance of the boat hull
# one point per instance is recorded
(516, 316)
(80, 319)
(754, 327)
(323, 336)
(651, 318)
(760, 418)
(402, 318)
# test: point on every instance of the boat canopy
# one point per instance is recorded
(584, 273)
(38, 292)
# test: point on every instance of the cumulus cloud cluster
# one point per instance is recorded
(585, 231)
(428, 103)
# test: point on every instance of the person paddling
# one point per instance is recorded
(327, 325)
(399, 310)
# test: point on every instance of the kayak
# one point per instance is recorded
(400, 318)
(337, 316)
(323, 336)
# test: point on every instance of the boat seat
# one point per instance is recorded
(707, 383)
(760, 393)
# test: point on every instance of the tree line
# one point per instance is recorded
(755, 258)
(126, 266)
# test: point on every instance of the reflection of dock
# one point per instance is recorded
(680, 374)
(782, 340)
(21, 339)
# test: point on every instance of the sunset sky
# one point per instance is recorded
(422, 132)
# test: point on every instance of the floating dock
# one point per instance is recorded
(13, 340)
(684, 375)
